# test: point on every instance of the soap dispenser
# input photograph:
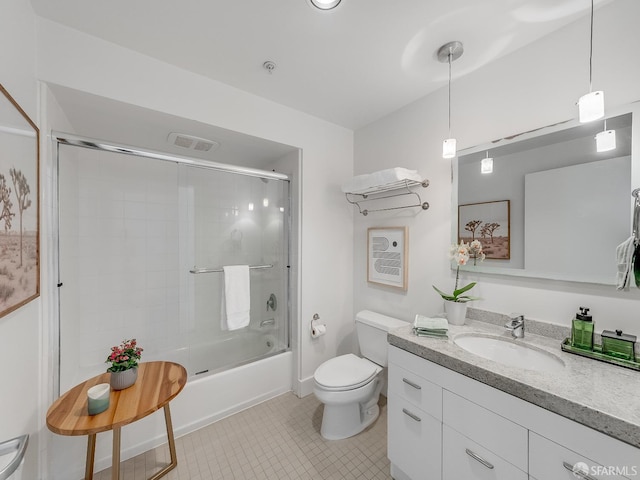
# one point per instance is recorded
(582, 330)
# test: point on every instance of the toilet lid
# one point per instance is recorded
(345, 372)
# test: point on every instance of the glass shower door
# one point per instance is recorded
(234, 219)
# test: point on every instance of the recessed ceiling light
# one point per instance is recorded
(325, 4)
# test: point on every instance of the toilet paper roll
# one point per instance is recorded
(318, 331)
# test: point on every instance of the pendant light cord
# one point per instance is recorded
(450, 92)
(591, 51)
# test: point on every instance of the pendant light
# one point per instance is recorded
(486, 165)
(449, 53)
(606, 140)
(591, 105)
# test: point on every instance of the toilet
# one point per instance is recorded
(349, 386)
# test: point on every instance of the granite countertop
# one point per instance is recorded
(596, 394)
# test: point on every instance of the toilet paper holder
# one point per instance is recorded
(317, 329)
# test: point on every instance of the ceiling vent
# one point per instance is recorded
(190, 142)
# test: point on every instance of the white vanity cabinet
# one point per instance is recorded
(414, 415)
(478, 443)
(469, 430)
(414, 440)
(548, 460)
(465, 459)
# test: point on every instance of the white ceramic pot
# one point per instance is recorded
(456, 312)
(124, 379)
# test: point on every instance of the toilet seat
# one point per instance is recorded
(346, 372)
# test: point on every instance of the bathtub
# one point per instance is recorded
(233, 350)
(206, 398)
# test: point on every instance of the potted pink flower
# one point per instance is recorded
(124, 364)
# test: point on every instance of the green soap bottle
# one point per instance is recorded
(582, 330)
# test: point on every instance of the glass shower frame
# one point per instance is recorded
(264, 328)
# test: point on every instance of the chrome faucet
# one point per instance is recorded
(516, 325)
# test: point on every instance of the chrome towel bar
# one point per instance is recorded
(196, 270)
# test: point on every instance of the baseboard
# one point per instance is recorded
(305, 387)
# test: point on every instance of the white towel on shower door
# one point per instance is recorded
(236, 298)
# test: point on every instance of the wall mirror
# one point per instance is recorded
(19, 206)
(570, 206)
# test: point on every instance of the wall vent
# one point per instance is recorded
(190, 142)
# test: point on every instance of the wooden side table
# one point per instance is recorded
(158, 383)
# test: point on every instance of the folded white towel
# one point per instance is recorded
(624, 256)
(236, 298)
(431, 323)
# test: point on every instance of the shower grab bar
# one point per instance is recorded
(196, 270)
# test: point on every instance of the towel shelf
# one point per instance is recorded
(400, 188)
(197, 271)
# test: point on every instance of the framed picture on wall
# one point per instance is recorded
(19, 206)
(387, 250)
(487, 222)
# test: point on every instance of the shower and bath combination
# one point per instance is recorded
(143, 238)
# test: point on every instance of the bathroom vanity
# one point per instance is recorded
(454, 415)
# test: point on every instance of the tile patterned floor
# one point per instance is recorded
(278, 439)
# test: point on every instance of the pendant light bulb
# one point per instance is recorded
(591, 105)
(486, 165)
(449, 53)
(449, 148)
(606, 140)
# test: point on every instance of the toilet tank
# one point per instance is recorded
(372, 329)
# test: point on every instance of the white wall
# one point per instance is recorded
(534, 87)
(20, 339)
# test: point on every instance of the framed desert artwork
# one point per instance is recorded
(19, 206)
(487, 222)
(387, 256)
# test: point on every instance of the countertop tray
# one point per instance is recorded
(597, 354)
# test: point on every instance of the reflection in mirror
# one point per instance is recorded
(19, 206)
(570, 206)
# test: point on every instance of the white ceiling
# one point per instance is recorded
(350, 66)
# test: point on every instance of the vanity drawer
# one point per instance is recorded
(503, 437)
(422, 393)
(415, 440)
(550, 461)
(464, 459)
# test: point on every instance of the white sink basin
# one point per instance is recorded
(509, 352)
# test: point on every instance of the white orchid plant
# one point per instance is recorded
(461, 254)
